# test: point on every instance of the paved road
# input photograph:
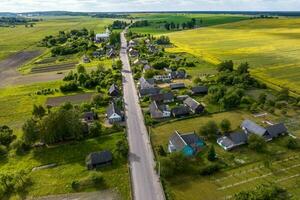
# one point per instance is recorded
(146, 184)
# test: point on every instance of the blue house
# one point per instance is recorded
(189, 143)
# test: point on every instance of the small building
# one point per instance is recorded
(88, 117)
(114, 114)
(146, 83)
(189, 143)
(177, 74)
(276, 130)
(251, 127)
(98, 159)
(159, 111)
(146, 68)
(133, 53)
(148, 91)
(113, 90)
(132, 43)
(111, 53)
(102, 37)
(175, 86)
(199, 90)
(182, 97)
(165, 97)
(152, 48)
(233, 140)
(86, 59)
(162, 78)
(195, 106)
(180, 111)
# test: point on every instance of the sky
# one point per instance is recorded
(148, 5)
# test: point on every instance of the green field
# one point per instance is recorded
(156, 20)
(19, 38)
(284, 169)
(271, 46)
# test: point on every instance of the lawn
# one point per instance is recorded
(70, 160)
(245, 169)
(20, 38)
(270, 46)
(157, 19)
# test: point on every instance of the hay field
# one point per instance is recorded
(271, 46)
(19, 38)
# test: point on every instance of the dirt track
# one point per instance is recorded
(10, 76)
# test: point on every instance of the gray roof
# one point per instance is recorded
(191, 103)
(252, 127)
(181, 110)
(147, 67)
(149, 91)
(177, 85)
(238, 137)
(190, 138)
(199, 89)
(112, 108)
(276, 130)
(99, 157)
(156, 110)
(88, 116)
(178, 74)
(163, 97)
(177, 141)
(113, 88)
(146, 83)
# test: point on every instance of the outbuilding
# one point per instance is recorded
(98, 159)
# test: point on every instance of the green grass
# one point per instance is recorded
(271, 46)
(70, 160)
(209, 188)
(16, 39)
(157, 20)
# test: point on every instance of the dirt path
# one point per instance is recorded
(103, 195)
(10, 76)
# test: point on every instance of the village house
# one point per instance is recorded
(86, 59)
(164, 98)
(177, 74)
(199, 90)
(114, 114)
(146, 83)
(111, 53)
(102, 37)
(88, 117)
(148, 91)
(162, 78)
(146, 68)
(233, 140)
(175, 86)
(159, 111)
(180, 111)
(182, 97)
(194, 106)
(132, 43)
(189, 143)
(133, 53)
(98, 159)
(113, 90)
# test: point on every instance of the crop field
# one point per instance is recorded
(13, 40)
(51, 68)
(74, 99)
(156, 20)
(270, 46)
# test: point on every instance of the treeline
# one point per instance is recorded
(141, 23)
(109, 15)
(119, 24)
(185, 25)
(12, 21)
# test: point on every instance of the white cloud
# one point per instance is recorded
(148, 5)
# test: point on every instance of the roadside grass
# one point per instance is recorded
(245, 167)
(157, 20)
(70, 160)
(16, 39)
(270, 46)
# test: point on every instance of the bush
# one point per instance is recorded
(257, 143)
(210, 169)
(3, 150)
(69, 87)
(75, 185)
(292, 143)
(96, 178)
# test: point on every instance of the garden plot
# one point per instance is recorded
(75, 99)
(55, 67)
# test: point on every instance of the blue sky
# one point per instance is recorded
(148, 5)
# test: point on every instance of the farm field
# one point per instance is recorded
(156, 20)
(13, 40)
(74, 99)
(270, 46)
(284, 168)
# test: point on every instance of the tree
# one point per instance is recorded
(292, 143)
(95, 129)
(257, 143)
(122, 147)
(6, 135)
(243, 68)
(210, 129)
(283, 95)
(211, 154)
(38, 111)
(81, 69)
(149, 73)
(225, 125)
(262, 98)
(226, 66)
(30, 131)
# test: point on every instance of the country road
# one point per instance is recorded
(145, 181)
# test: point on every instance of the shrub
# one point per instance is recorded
(69, 87)
(292, 143)
(257, 143)
(3, 150)
(75, 185)
(210, 169)
(96, 178)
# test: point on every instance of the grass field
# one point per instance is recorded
(16, 39)
(157, 20)
(271, 46)
(70, 160)
(284, 168)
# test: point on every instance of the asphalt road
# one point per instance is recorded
(145, 181)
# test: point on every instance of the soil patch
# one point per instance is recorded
(75, 99)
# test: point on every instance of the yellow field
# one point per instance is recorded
(271, 46)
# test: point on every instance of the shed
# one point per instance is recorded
(199, 90)
(194, 105)
(98, 159)
(175, 86)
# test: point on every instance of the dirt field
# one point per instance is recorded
(55, 67)
(103, 195)
(77, 98)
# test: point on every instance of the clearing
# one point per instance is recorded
(74, 99)
(270, 46)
